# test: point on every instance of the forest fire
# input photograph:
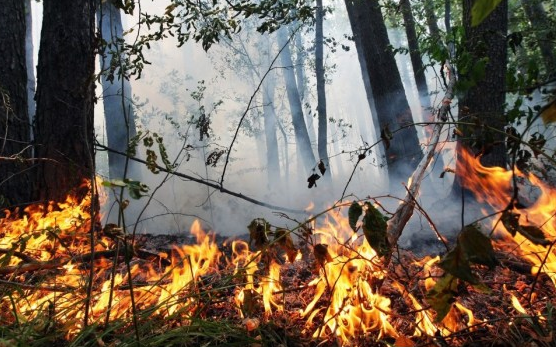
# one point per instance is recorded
(338, 291)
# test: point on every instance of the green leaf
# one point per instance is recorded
(442, 295)
(457, 264)
(477, 247)
(374, 228)
(481, 9)
(354, 212)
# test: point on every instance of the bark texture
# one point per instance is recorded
(485, 100)
(14, 119)
(64, 98)
(388, 93)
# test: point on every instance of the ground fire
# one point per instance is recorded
(321, 283)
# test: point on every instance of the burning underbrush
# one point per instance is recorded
(65, 280)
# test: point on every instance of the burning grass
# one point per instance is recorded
(328, 288)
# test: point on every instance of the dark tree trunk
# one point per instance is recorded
(388, 93)
(536, 15)
(118, 111)
(14, 120)
(432, 20)
(65, 91)
(322, 141)
(486, 99)
(303, 143)
(414, 54)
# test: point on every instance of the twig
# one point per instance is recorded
(208, 183)
(270, 68)
(20, 255)
(32, 287)
(405, 210)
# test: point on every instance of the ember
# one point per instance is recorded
(339, 292)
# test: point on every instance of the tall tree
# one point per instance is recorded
(30, 60)
(116, 90)
(485, 100)
(302, 139)
(432, 20)
(322, 141)
(536, 14)
(65, 82)
(270, 127)
(392, 108)
(415, 54)
(14, 119)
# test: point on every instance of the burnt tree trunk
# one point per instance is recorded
(392, 107)
(14, 118)
(270, 127)
(65, 82)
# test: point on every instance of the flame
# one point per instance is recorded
(494, 185)
(346, 302)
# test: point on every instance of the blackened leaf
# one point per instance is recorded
(355, 211)
(322, 168)
(510, 221)
(321, 254)
(477, 247)
(374, 228)
(258, 229)
(313, 180)
(442, 296)
(533, 233)
(456, 263)
(386, 135)
(285, 241)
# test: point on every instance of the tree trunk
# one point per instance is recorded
(303, 143)
(432, 20)
(116, 91)
(415, 54)
(65, 82)
(272, 159)
(486, 99)
(322, 141)
(392, 108)
(14, 118)
(540, 23)
(30, 61)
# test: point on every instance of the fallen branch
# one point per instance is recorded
(33, 287)
(405, 210)
(20, 255)
(84, 259)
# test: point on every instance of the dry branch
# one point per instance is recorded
(405, 210)
(84, 259)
